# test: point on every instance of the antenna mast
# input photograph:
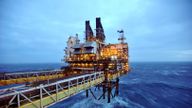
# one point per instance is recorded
(121, 36)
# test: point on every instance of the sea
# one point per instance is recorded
(147, 85)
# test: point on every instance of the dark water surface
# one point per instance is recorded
(148, 85)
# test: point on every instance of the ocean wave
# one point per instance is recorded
(158, 94)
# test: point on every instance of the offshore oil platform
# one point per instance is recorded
(92, 63)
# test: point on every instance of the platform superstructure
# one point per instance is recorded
(95, 55)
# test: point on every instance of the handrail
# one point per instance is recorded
(48, 85)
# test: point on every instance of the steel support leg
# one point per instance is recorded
(109, 92)
(117, 87)
(87, 93)
(104, 90)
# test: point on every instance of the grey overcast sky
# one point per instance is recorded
(36, 31)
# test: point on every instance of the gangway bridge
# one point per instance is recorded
(49, 94)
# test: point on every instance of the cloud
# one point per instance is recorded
(29, 26)
(184, 54)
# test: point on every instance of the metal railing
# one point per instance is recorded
(10, 75)
(31, 76)
(44, 95)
